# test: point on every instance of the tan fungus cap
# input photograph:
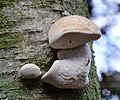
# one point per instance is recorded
(72, 31)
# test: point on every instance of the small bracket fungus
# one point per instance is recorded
(71, 34)
(30, 71)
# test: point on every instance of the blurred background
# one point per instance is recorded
(106, 15)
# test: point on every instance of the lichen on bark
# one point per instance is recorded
(23, 39)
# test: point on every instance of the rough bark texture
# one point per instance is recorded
(23, 39)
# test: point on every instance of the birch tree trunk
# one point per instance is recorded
(24, 25)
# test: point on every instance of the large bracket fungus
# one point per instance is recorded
(72, 31)
(70, 34)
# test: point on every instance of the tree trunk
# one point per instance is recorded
(24, 25)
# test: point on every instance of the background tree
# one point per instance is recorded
(24, 25)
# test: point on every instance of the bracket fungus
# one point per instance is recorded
(72, 70)
(72, 31)
(70, 35)
(30, 71)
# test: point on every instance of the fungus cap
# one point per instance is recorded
(72, 31)
(30, 71)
